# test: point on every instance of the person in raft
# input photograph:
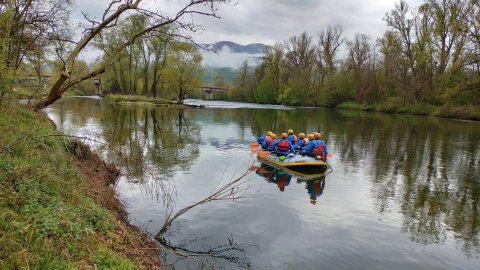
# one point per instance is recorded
(301, 142)
(315, 148)
(318, 139)
(292, 137)
(282, 147)
(268, 141)
(262, 138)
(312, 144)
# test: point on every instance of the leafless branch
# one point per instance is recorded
(233, 190)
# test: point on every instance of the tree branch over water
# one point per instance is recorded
(156, 20)
(234, 190)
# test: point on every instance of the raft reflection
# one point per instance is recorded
(314, 182)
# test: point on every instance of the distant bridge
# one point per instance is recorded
(209, 90)
(33, 80)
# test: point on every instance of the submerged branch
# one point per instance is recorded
(228, 191)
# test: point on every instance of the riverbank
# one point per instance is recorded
(147, 101)
(58, 209)
(466, 112)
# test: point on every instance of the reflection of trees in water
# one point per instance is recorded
(430, 166)
(155, 143)
(151, 144)
(199, 254)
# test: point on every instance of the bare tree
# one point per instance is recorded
(114, 11)
(329, 42)
(403, 25)
(361, 62)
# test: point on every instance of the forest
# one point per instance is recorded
(426, 61)
(428, 58)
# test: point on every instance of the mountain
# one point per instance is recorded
(231, 54)
(254, 48)
(224, 58)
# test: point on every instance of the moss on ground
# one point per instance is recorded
(54, 213)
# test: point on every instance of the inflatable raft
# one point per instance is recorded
(295, 163)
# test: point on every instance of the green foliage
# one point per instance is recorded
(105, 259)
(6, 75)
(468, 95)
(219, 96)
(45, 214)
(459, 112)
(266, 91)
(393, 105)
(211, 73)
(183, 71)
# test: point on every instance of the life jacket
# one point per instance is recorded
(317, 188)
(269, 142)
(295, 139)
(283, 146)
(306, 140)
(282, 181)
(319, 151)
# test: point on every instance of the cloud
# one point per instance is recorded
(270, 21)
(225, 57)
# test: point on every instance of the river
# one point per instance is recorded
(404, 192)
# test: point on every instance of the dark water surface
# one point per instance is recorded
(404, 193)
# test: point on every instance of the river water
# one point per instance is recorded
(404, 192)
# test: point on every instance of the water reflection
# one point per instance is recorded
(314, 187)
(422, 174)
(314, 182)
(275, 176)
(194, 254)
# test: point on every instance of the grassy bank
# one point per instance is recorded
(143, 100)
(57, 207)
(466, 112)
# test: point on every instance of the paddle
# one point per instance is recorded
(255, 150)
(265, 153)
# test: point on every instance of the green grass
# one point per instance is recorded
(457, 112)
(47, 220)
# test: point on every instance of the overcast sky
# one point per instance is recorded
(270, 21)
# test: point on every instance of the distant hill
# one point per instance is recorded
(227, 57)
(254, 48)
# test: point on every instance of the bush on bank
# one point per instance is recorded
(49, 218)
(467, 112)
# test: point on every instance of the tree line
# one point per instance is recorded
(159, 65)
(427, 55)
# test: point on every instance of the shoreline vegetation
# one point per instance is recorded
(465, 112)
(147, 101)
(58, 209)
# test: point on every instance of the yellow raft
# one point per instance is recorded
(295, 163)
